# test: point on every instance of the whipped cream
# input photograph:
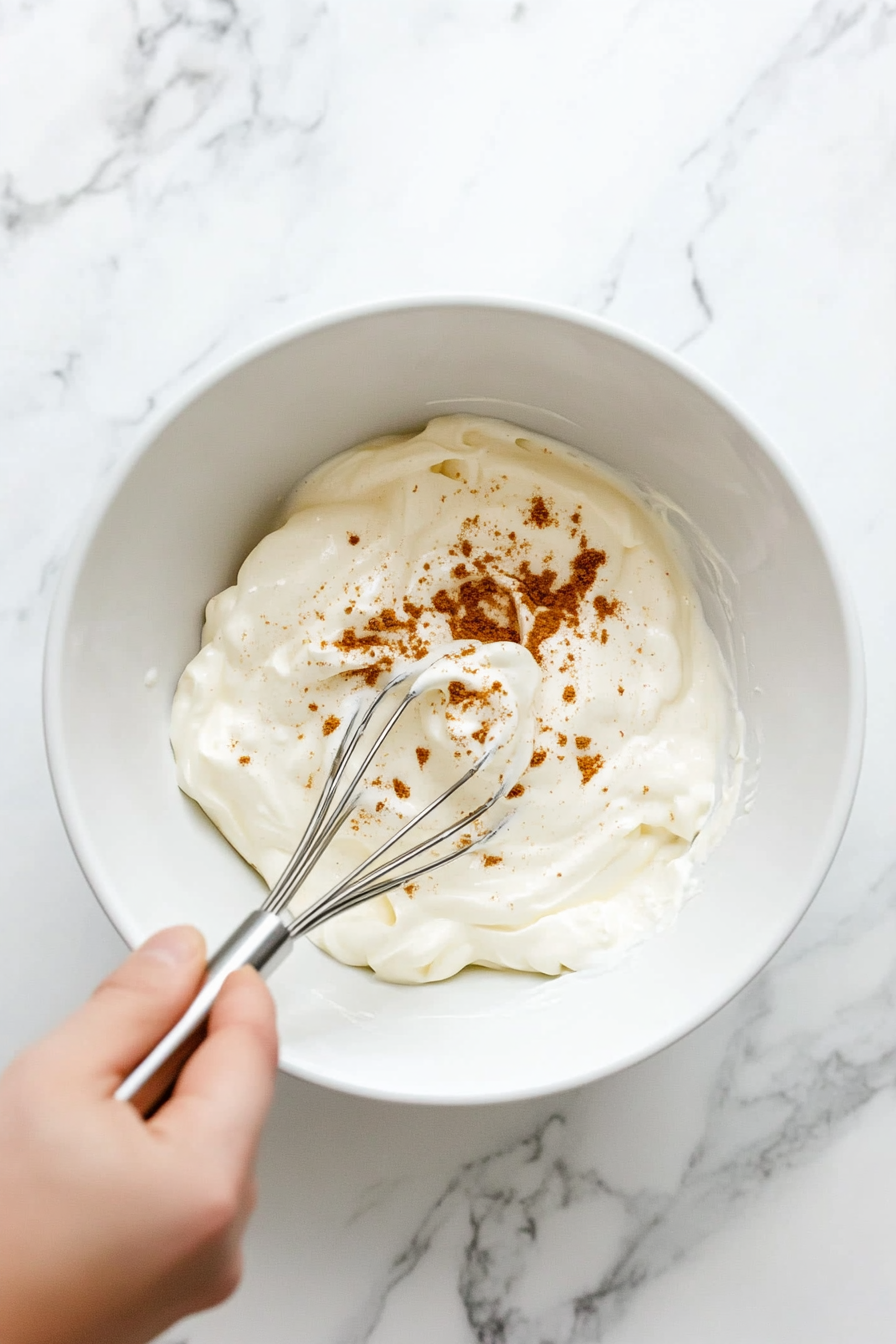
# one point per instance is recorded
(575, 652)
(476, 700)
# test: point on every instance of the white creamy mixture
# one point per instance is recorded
(575, 637)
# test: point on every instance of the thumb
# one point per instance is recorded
(131, 1010)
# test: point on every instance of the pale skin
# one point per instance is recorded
(111, 1227)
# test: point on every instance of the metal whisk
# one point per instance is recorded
(264, 939)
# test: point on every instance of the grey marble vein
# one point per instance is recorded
(193, 74)
(283, 157)
(772, 1106)
(691, 204)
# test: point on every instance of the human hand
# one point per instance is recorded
(113, 1227)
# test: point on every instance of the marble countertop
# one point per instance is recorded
(180, 176)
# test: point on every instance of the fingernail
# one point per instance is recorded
(174, 946)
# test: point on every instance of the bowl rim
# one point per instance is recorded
(64, 789)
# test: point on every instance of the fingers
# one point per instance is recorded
(131, 1010)
(223, 1095)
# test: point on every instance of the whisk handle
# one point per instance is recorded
(261, 941)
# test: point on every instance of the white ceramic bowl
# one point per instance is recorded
(200, 492)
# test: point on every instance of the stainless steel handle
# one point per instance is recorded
(261, 941)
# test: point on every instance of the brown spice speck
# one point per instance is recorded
(244, 760)
(561, 739)
(482, 610)
(539, 514)
(313, 707)
(589, 766)
(569, 694)
(604, 607)
(517, 791)
(620, 690)
(539, 756)
(491, 859)
(604, 636)
(583, 743)
(401, 789)
(552, 605)
(331, 723)
(353, 538)
(422, 756)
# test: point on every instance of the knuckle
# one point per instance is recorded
(26, 1080)
(124, 982)
(115, 998)
(216, 1207)
(230, 1277)
(222, 1283)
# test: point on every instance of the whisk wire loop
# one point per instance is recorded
(352, 891)
(311, 845)
(336, 805)
(308, 919)
(266, 935)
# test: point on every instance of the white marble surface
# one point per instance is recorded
(177, 176)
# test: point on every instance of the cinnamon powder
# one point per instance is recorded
(539, 514)
(481, 610)
(604, 607)
(589, 766)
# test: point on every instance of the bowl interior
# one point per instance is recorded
(203, 492)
